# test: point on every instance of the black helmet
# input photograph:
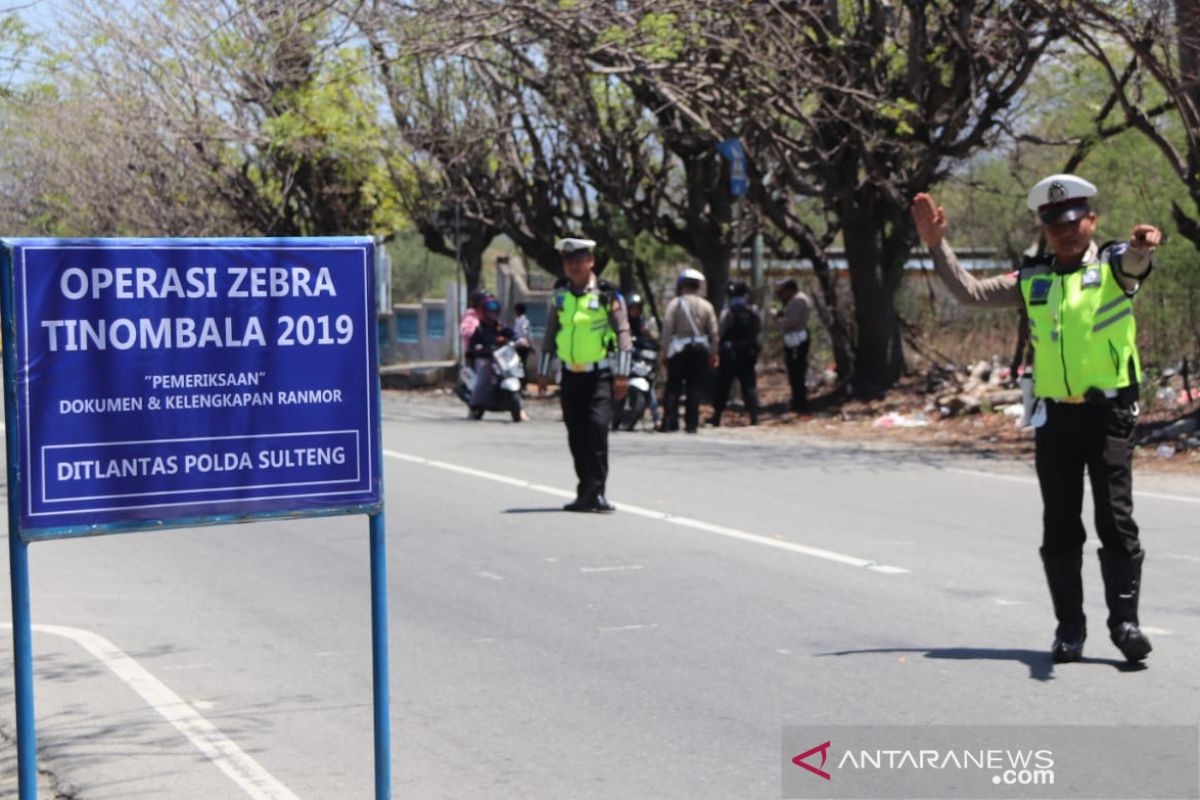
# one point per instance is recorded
(634, 299)
(738, 289)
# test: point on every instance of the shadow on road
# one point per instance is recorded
(555, 510)
(1041, 666)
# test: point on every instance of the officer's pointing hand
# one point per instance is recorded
(930, 219)
(1145, 236)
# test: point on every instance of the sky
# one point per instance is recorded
(38, 14)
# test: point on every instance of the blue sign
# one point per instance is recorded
(168, 381)
(733, 152)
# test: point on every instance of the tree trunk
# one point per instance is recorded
(832, 318)
(715, 266)
(878, 357)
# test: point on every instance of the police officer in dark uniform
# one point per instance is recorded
(738, 328)
(588, 330)
(1086, 372)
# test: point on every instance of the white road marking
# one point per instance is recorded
(247, 773)
(1178, 498)
(1000, 601)
(718, 530)
(1178, 556)
(628, 628)
(491, 576)
(1156, 631)
(612, 569)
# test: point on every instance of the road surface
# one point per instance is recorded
(749, 582)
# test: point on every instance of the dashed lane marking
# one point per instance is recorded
(671, 519)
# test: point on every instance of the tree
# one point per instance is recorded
(1164, 40)
(855, 105)
(266, 102)
(896, 95)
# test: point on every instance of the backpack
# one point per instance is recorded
(742, 333)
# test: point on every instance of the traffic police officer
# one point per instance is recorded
(1086, 372)
(588, 330)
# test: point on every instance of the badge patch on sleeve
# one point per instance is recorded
(1039, 291)
(1091, 277)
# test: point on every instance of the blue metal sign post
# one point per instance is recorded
(157, 383)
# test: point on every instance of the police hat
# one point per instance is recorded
(1060, 198)
(690, 274)
(571, 246)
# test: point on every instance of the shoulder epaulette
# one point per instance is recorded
(1112, 248)
(1037, 263)
(607, 291)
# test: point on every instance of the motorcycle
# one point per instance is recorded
(507, 373)
(642, 376)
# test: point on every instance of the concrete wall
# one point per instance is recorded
(425, 331)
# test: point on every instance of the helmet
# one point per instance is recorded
(690, 274)
(738, 289)
(634, 299)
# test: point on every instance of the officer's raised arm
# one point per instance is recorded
(930, 219)
(1002, 291)
(1135, 263)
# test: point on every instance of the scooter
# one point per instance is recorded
(507, 372)
(641, 383)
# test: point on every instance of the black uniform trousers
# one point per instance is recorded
(587, 411)
(739, 364)
(685, 372)
(1097, 436)
(796, 359)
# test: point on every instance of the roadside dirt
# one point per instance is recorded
(991, 434)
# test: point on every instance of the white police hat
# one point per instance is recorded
(690, 274)
(1060, 198)
(569, 246)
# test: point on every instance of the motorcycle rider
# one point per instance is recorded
(470, 321)
(488, 336)
(644, 331)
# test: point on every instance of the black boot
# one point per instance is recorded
(1066, 591)
(1122, 585)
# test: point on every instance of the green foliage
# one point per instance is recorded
(330, 119)
(894, 112)
(416, 272)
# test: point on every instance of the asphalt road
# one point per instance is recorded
(749, 582)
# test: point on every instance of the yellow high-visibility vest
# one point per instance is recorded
(584, 333)
(1081, 327)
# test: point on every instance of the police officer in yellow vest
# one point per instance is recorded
(1086, 373)
(588, 329)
